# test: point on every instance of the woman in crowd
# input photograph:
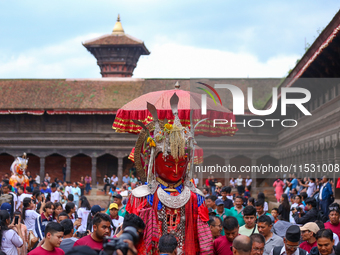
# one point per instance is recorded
(251, 201)
(88, 181)
(284, 208)
(47, 178)
(70, 209)
(278, 185)
(81, 184)
(10, 234)
(45, 217)
(325, 241)
(83, 213)
(58, 208)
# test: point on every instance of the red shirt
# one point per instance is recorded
(335, 228)
(207, 182)
(222, 246)
(88, 241)
(307, 247)
(41, 251)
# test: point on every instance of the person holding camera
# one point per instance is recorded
(296, 205)
(101, 229)
(10, 234)
(310, 216)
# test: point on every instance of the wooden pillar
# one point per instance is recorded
(120, 170)
(42, 169)
(68, 169)
(94, 171)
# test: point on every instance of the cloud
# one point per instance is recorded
(171, 60)
(68, 59)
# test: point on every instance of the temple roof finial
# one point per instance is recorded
(118, 28)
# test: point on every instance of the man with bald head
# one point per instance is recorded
(242, 245)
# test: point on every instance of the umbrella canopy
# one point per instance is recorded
(188, 101)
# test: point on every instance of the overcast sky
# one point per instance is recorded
(227, 38)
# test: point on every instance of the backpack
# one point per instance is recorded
(277, 251)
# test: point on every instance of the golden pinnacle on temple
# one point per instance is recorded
(118, 28)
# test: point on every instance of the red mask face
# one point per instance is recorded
(169, 169)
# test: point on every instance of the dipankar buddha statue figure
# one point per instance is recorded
(169, 202)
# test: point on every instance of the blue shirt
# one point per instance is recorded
(126, 179)
(294, 183)
(45, 190)
(74, 191)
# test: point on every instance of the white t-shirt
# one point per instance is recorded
(117, 222)
(232, 183)
(239, 181)
(83, 213)
(336, 239)
(265, 207)
(196, 181)
(248, 182)
(30, 216)
(55, 196)
(68, 190)
(10, 241)
(114, 180)
(311, 188)
(21, 199)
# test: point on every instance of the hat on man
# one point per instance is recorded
(113, 205)
(218, 184)
(96, 208)
(293, 234)
(117, 196)
(7, 207)
(219, 202)
(310, 226)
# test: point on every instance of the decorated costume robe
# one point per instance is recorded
(181, 212)
(22, 179)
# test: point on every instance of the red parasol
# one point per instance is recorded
(137, 110)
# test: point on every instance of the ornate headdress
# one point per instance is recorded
(161, 136)
(19, 165)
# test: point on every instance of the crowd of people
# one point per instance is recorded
(55, 217)
(304, 222)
